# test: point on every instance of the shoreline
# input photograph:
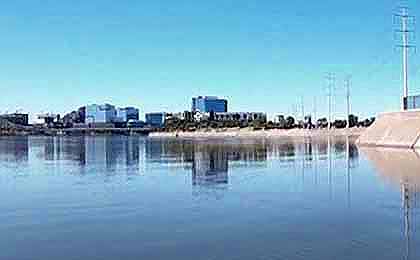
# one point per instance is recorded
(274, 133)
(354, 133)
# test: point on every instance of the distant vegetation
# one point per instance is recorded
(189, 124)
(289, 122)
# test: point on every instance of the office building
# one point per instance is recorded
(126, 114)
(100, 114)
(16, 118)
(241, 117)
(412, 103)
(156, 119)
(209, 104)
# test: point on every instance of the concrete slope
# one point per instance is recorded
(398, 129)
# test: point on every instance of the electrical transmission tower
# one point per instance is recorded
(347, 84)
(406, 23)
(331, 85)
(302, 107)
(315, 110)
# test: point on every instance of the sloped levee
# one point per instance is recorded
(397, 129)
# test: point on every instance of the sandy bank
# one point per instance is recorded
(245, 133)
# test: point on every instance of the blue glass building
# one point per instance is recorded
(126, 114)
(155, 119)
(412, 102)
(100, 113)
(106, 114)
(209, 104)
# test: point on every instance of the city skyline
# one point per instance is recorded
(156, 56)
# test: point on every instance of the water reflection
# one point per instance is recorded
(262, 188)
(108, 152)
(14, 149)
(98, 152)
(209, 161)
(400, 168)
(210, 166)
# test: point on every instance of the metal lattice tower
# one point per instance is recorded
(347, 84)
(406, 23)
(331, 85)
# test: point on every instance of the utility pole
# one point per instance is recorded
(302, 104)
(315, 111)
(348, 170)
(405, 31)
(295, 111)
(347, 83)
(331, 84)
(406, 209)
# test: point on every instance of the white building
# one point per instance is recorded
(240, 116)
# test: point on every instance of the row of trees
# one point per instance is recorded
(322, 123)
(289, 122)
(190, 125)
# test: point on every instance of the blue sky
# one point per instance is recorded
(263, 55)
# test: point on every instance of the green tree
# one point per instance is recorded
(290, 122)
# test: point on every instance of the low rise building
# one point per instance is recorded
(240, 116)
(16, 118)
(109, 116)
(135, 123)
(100, 114)
(412, 103)
(50, 119)
(126, 114)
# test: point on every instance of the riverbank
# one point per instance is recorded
(35, 131)
(208, 133)
(274, 133)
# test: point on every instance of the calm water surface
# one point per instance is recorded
(138, 198)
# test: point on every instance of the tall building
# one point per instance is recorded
(100, 114)
(156, 119)
(209, 104)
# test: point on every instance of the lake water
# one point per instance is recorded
(138, 198)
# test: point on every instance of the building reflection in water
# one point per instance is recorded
(400, 168)
(210, 166)
(211, 162)
(105, 152)
(114, 152)
(14, 149)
